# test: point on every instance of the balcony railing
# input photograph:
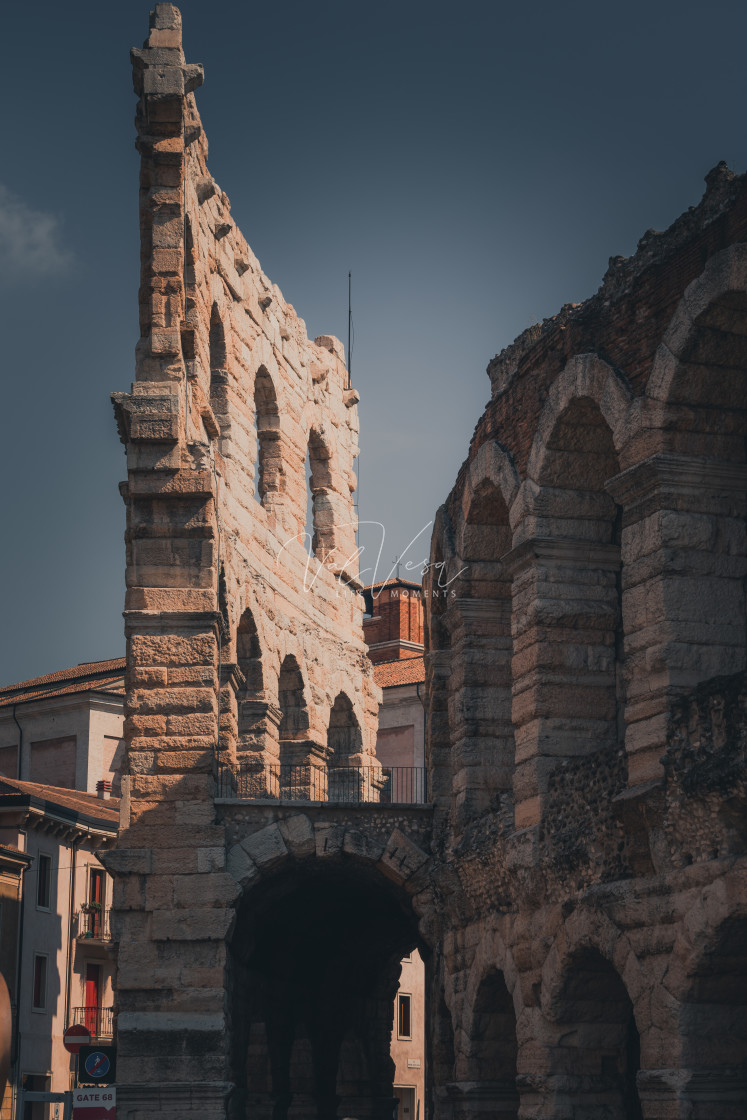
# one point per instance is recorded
(93, 925)
(343, 785)
(98, 1021)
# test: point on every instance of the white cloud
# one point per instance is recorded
(31, 242)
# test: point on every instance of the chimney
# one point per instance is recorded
(104, 789)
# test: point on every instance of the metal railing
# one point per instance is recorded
(98, 1021)
(93, 925)
(340, 785)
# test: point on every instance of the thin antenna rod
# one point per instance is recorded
(350, 320)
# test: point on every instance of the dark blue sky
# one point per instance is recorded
(474, 165)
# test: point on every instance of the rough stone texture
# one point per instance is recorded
(587, 712)
(242, 651)
(578, 888)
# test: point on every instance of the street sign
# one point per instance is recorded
(97, 1064)
(95, 1103)
(75, 1037)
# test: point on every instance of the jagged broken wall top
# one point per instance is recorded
(625, 322)
(230, 398)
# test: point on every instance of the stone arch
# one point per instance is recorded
(348, 781)
(269, 472)
(700, 368)
(585, 376)
(294, 716)
(483, 747)
(490, 1066)
(567, 590)
(317, 900)
(713, 1025)
(685, 508)
(495, 464)
(596, 1054)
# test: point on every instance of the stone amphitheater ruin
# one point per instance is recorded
(576, 879)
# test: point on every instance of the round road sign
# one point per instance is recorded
(75, 1037)
(97, 1065)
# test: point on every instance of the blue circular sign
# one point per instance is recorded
(97, 1065)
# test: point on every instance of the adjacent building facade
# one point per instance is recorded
(64, 731)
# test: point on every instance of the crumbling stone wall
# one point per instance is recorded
(241, 652)
(578, 888)
(586, 711)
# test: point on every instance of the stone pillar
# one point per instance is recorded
(565, 616)
(438, 744)
(172, 898)
(481, 733)
(683, 553)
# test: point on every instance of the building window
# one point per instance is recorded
(404, 1016)
(40, 982)
(44, 882)
(96, 887)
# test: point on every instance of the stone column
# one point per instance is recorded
(481, 732)
(683, 554)
(565, 615)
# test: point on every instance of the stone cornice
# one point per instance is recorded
(679, 474)
(562, 551)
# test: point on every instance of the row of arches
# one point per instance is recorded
(596, 1043)
(270, 460)
(274, 728)
(573, 602)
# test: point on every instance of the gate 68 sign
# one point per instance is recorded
(95, 1104)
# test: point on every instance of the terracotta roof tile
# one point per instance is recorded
(107, 676)
(72, 799)
(409, 670)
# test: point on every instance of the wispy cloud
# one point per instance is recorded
(31, 243)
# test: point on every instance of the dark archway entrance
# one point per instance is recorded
(713, 1023)
(315, 968)
(598, 1053)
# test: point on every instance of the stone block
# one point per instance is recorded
(401, 857)
(298, 833)
(266, 848)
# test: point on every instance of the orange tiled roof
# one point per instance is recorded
(409, 670)
(106, 811)
(100, 676)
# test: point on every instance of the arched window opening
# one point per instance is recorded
(248, 653)
(487, 534)
(294, 722)
(251, 709)
(580, 459)
(595, 1064)
(481, 728)
(713, 1025)
(491, 1061)
(268, 466)
(344, 742)
(319, 520)
(218, 363)
(494, 1042)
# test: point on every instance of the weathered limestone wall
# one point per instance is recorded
(230, 398)
(586, 707)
